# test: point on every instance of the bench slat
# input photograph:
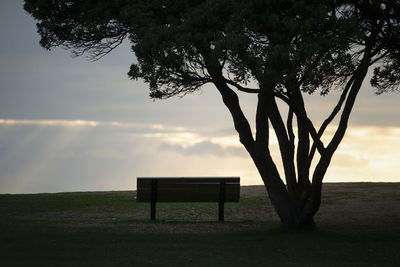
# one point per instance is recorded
(185, 196)
(142, 181)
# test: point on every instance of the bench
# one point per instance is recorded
(188, 189)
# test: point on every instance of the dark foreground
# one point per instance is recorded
(358, 225)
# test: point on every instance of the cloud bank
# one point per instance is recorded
(79, 155)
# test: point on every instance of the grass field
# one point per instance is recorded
(358, 225)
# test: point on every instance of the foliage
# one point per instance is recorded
(256, 40)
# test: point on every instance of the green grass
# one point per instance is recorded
(111, 229)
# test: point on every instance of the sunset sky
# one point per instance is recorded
(67, 124)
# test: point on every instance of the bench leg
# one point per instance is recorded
(153, 211)
(153, 200)
(221, 211)
(221, 201)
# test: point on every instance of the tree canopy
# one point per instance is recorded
(274, 49)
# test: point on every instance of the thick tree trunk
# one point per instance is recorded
(291, 211)
(277, 192)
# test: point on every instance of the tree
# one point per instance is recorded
(277, 50)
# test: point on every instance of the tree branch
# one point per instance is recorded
(355, 88)
(328, 120)
(262, 125)
(282, 97)
(241, 88)
(284, 145)
(231, 101)
(297, 103)
(359, 76)
(379, 58)
(289, 126)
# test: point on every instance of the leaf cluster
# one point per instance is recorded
(313, 44)
(82, 26)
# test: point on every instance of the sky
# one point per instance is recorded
(68, 124)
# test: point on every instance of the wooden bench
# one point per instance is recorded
(188, 189)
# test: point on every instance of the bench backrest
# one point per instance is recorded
(188, 189)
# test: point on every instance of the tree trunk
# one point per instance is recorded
(291, 211)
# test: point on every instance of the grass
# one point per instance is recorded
(359, 225)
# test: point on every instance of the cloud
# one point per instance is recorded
(50, 122)
(367, 154)
(132, 127)
(349, 160)
(204, 148)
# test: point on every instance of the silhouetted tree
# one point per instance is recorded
(275, 49)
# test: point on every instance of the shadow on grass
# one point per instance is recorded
(270, 247)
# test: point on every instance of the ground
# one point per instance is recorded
(358, 225)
